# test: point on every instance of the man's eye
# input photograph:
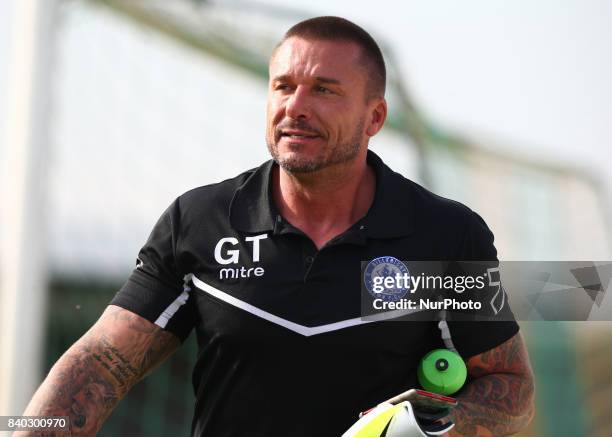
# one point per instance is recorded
(281, 87)
(323, 90)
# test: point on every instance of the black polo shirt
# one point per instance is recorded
(283, 349)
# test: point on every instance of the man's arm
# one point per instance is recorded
(499, 399)
(98, 370)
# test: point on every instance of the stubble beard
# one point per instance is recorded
(341, 154)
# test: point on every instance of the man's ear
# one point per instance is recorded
(377, 116)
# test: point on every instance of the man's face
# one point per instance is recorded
(317, 105)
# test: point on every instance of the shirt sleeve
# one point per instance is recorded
(156, 289)
(474, 337)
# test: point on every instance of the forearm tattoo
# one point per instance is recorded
(99, 369)
(498, 401)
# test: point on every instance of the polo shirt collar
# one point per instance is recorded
(390, 216)
(252, 209)
(392, 213)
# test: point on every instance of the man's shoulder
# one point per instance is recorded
(447, 221)
(430, 208)
(215, 194)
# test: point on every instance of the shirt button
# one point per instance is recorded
(309, 259)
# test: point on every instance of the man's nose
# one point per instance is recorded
(298, 104)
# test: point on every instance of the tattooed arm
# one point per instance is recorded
(498, 401)
(98, 370)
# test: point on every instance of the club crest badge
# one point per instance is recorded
(387, 278)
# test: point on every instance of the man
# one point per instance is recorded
(266, 267)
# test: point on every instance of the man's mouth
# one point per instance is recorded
(298, 135)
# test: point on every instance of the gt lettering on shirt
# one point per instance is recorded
(226, 256)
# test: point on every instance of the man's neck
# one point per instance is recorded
(324, 204)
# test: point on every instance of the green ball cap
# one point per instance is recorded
(442, 371)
